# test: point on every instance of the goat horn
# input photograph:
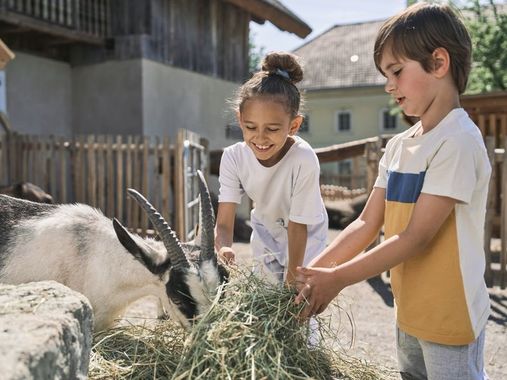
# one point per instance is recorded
(171, 242)
(207, 220)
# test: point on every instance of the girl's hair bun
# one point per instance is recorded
(283, 61)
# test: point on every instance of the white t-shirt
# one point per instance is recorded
(289, 190)
(440, 294)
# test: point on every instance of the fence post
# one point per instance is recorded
(490, 211)
(373, 152)
(503, 221)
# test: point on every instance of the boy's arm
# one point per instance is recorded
(297, 235)
(356, 236)
(224, 231)
(323, 284)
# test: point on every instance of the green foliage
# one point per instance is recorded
(255, 55)
(488, 29)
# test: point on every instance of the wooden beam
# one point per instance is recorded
(281, 19)
(47, 28)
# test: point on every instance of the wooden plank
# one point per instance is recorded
(44, 181)
(52, 165)
(110, 180)
(128, 180)
(179, 195)
(91, 177)
(490, 211)
(101, 173)
(63, 170)
(136, 181)
(166, 179)
(145, 169)
(503, 223)
(27, 145)
(120, 191)
(3, 160)
(482, 124)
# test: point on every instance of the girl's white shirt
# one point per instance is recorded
(288, 190)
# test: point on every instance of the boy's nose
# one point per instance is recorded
(389, 86)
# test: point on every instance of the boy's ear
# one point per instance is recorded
(441, 62)
(295, 124)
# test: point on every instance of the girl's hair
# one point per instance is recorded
(417, 31)
(277, 80)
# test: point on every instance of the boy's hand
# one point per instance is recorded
(227, 255)
(318, 287)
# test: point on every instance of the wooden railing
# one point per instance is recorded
(97, 170)
(91, 17)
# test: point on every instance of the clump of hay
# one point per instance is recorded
(251, 331)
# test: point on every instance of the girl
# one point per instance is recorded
(278, 170)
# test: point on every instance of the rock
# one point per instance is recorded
(45, 332)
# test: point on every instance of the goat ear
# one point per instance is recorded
(143, 253)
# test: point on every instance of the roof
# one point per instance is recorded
(276, 13)
(341, 57)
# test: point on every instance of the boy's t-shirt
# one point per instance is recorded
(440, 294)
(288, 190)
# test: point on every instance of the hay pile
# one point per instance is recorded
(252, 332)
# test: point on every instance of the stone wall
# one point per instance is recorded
(45, 332)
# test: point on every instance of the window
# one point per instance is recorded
(388, 121)
(343, 121)
(305, 125)
(345, 167)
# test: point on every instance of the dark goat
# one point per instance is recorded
(28, 191)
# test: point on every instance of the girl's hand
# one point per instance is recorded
(227, 255)
(318, 287)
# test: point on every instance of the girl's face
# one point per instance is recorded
(266, 126)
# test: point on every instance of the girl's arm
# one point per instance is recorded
(323, 284)
(297, 235)
(224, 231)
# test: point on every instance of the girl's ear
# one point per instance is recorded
(295, 124)
(441, 62)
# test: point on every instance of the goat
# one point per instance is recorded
(27, 190)
(76, 245)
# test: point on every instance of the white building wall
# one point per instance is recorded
(174, 98)
(38, 95)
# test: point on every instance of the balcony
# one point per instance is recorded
(44, 25)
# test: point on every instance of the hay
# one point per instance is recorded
(252, 332)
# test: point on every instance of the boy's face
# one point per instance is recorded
(413, 89)
(266, 124)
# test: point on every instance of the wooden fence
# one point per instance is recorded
(97, 170)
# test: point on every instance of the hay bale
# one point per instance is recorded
(251, 331)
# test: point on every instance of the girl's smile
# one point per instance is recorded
(267, 127)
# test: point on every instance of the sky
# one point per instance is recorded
(321, 15)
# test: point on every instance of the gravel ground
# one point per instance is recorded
(365, 321)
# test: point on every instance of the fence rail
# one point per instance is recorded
(97, 170)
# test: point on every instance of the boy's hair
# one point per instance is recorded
(417, 31)
(277, 80)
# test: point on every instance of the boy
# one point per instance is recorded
(430, 195)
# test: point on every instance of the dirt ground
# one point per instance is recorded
(369, 334)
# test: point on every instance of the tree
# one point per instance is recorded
(255, 55)
(488, 29)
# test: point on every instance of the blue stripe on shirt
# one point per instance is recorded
(404, 187)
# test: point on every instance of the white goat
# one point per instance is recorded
(79, 247)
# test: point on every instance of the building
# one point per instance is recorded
(141, 67)
(345, 97)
